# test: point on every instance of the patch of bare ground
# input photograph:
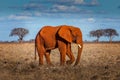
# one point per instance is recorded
(99, 61)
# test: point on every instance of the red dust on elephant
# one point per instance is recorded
(60, 37)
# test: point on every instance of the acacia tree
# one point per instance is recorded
(97, 34)
(111, 33)
(20, 32)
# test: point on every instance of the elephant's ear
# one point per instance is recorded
(65, 33)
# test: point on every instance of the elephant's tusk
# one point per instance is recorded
(79, 46)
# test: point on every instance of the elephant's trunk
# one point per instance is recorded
(79, 54)
(80, 47)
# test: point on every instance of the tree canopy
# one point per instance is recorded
(20, 32)
(96, 33)
(111, 33)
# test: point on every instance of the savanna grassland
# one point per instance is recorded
(99, 61)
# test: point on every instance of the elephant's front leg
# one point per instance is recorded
(70, 54)
(62, 49)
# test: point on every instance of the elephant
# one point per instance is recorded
(61, 37)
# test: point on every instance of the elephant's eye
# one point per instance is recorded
(74, 39)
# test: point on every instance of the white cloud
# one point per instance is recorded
(60, 7)
(37, 14)
(20, 17)
(94, 2)
(32, 5)
(65, 8)
(91, 19)
(1, 18)
(79, 1)
(25, 13)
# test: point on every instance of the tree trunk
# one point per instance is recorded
(20, 39)
(110, 40)
(97, 40)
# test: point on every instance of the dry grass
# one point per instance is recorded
(99, 61)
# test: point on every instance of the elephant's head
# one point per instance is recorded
(72, 34)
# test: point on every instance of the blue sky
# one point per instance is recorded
(33, 14)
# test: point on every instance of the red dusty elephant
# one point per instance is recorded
(60, 37)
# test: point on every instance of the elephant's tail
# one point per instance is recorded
(35, 51)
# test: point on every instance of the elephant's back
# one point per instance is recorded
(48, 33)
(49, 29)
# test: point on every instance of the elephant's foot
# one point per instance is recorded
(69, 62)
(40, 64)
(62, 63)
(50, 64)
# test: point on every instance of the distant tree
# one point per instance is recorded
(20, 32)
(111, 33)
(31, 40)
(96, 33)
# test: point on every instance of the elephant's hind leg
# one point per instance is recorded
(41, 56)
(41, 62)
(47, 56)
(40, 48)
(41, 52)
